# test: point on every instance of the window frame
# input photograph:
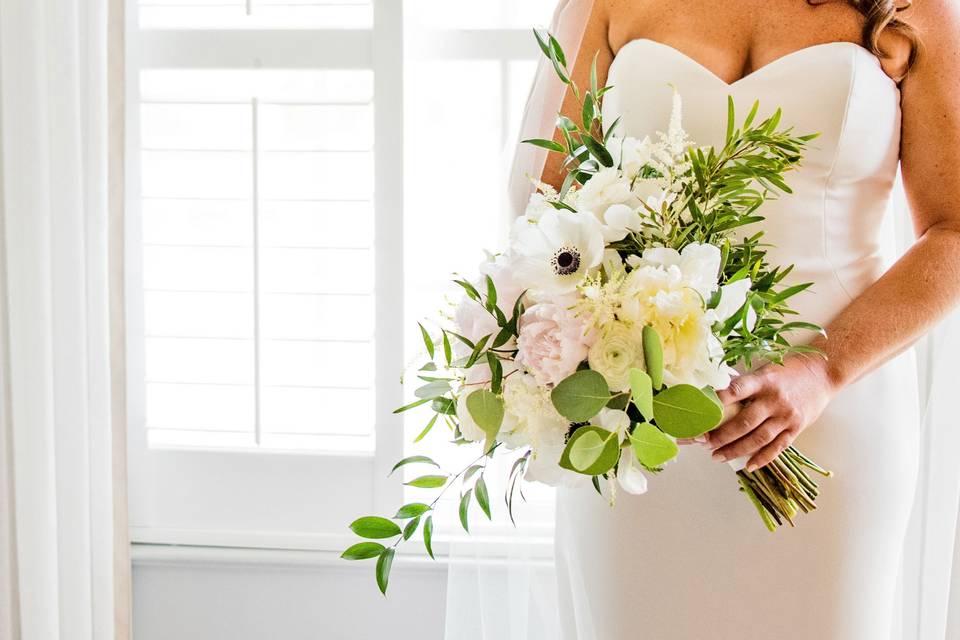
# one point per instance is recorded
(257, 497)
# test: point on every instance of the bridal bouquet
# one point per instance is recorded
(600, 335)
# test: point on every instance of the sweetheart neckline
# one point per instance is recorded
(760, 71)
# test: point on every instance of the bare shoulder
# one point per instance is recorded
(930, 99)
(937, 23)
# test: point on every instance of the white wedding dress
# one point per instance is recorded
(690, 559)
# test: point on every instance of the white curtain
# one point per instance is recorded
(57, 493)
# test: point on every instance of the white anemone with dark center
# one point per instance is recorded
(555, 253)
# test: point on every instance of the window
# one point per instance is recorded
(279, 251)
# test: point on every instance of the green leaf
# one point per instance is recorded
(428, 482)
(414, 459)
(496, 372)
(546, 144)
(384, 562)
(591, 451)
(581, 395)
(374, 527)
(412, 405)
(652, 446)
(412, 510)
(464, 506)
(684, 411)
(432, 390)
(486, 409)
(428, 535)
(587, 114)
(427, 340)
(641, 388)
(730, 118)
(653, 355)
(363, 551)
(483, 498)
(410, 528)
(447, 350)
(445, 406)
(427, 428)
(598, 150)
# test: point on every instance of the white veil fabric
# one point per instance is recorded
(505, 590)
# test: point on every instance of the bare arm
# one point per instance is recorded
(906, 301)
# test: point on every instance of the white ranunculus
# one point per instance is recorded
(554, 254)
(616, 350)
(630, 473)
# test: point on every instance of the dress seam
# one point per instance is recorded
(830, 177)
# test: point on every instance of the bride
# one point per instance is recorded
(688, 560)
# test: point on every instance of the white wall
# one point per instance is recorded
(189, 593)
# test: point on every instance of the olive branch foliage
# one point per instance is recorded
(722, 195)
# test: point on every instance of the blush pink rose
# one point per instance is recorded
(552, 342)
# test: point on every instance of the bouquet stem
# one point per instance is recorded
(782, 488)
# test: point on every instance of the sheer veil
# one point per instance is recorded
(504, 588)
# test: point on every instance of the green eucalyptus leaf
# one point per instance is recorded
(685, 411)
(428, 535)
(652, 446)
(428, 482)
(384, 563)
(486, 409)
(596, 454)
(464, 508)
(411, 528)
(483, 498)
(412, 460)
(581, 396)
(432, 390)
(412, 510)
(374, 527)
(653, 355)
(362, 551)
(641, 389)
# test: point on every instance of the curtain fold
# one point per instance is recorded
(59, 504)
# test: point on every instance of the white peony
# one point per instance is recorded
(555, 253)
(609, 188)
(544, 466)
(699, 264)
(668, 291)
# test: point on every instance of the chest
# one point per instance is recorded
(736, 38)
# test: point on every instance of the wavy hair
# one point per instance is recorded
(880, 15)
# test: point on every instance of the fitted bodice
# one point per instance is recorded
(830, 227)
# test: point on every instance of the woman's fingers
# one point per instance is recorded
(769, 452)
(741, 388)
(697, 440)
(739, 425)
(751, 443)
